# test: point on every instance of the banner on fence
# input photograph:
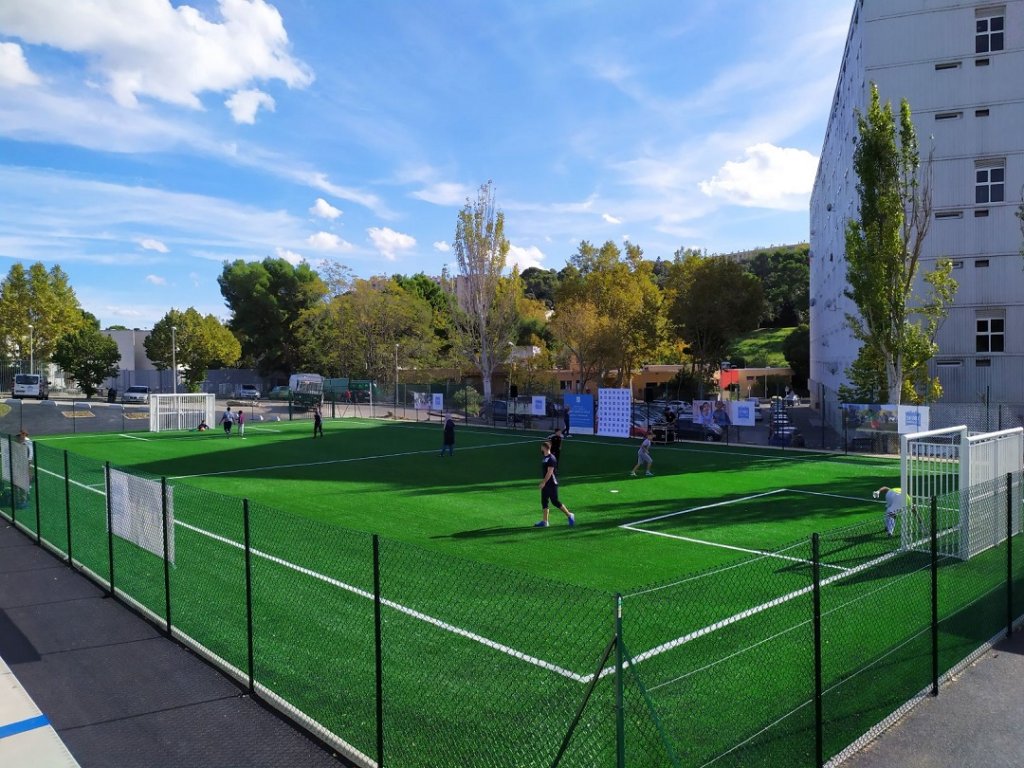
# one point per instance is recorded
(614, 412)
(715, 414)
(538, 405)
(421, 401)
(870, 417)
(581, 413)
(437, 401)
(136, 512)
(913, 418)
(743, 412)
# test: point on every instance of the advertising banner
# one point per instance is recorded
(614, 412)
(742, 412)
(913, 418)
(437, 401)
(581, 413)
(538, 405)
(714, 414)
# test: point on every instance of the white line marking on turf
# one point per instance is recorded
(241, 470)
(510, 651)
(705, 506)
(135, 437)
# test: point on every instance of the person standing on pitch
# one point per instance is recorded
(565, 421)
(318, 423)
(549, 488)
(893, 504)
(556, 445)
(228, 420)
(449, 436)
(643, 456)
(241, 423)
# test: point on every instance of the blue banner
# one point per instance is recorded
(581, 413)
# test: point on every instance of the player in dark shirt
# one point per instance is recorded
(556, 445)
(449, 436)
(549, 488)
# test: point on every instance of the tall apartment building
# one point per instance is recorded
(960, 65)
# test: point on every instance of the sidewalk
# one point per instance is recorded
(115, 689)
(974, 721)
(26, 736)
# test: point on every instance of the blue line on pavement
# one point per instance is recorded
(13, 729)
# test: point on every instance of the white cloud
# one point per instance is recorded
(328, 241)
(156, 280)
(245, 104)
(291, 257)
(389, 242)
(442, 246)
(324, 210)
(443, 193)
(153, 245)
(524, 258)
(610, 219)
(151, 48)
(770, 177)
(14, 70)
(196, 280)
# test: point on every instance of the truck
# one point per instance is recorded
(307, 389)
(30, 385)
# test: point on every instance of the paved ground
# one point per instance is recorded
(119, 693)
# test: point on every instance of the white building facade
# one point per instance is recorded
(960, 65)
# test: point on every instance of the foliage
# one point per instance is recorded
(192, 342)
(266, 299)
(715, 300)
(797, 349)
(540, 284)
(883, 250)
(760, 348)
(485, 301)
(685, 385)
(588, 335)
(442, 323)
(88, 357)
(466, 400)
(43, 300)
(785, 276)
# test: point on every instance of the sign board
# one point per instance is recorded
(581, 413)
(742, 412)
(437, 401)
(715, 413)
(421, 401)
(614, 412)
(538, 405)
(913, 418)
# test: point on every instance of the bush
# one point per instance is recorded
(467, 400)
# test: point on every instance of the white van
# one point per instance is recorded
(31, 385)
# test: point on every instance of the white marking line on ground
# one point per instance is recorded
(761, 552)
(705, 506)
(241, 470)
(135, 437)
(369, 595)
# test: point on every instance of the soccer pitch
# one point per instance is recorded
(706, 505)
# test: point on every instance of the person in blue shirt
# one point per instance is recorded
(549, 488)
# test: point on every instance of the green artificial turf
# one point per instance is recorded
(492, 630)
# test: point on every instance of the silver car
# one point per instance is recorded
(136, 394)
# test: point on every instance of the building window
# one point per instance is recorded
(980, 263)
(988, 30)
(989, 181)
(947, 65)
(948, 115)
(981, 113)
(989, 334)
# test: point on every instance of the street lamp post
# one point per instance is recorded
(31, 350)
(174, 360)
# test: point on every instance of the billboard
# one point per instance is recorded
(581, 413)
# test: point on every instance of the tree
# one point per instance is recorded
(588, 335)
(714, 300)
(883, 246)
(40, 298)
(88, 357)
(195, 344)
(266, 298)
(785, 276)
(540, 284)
(485, 315)
(797, 349)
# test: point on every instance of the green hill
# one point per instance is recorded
(762, 347)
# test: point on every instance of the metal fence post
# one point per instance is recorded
(935, 595)
(167, 561)
(819, 727)
(248, 598)
(110, 529)
(821, 410)
(67, 503)
(1009, 554)
(378, 652)
(35, 472)
(10, 464)
(620, 715)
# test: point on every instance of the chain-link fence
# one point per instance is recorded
(401, 656)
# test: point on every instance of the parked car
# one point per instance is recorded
(280, 393)
(691, 430)
(247, 392)
(136, 394)
(30, 385)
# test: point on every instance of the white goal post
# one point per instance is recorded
(170, 412)
(966, 474)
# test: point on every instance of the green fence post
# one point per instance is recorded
(167, 551)
(378, 652)
(67, 503)
(620, 715)
(1009, 554)
(935, 595)
(248, 599)
(110, 529)
(819, 725)
(10, 464)
(35, 472)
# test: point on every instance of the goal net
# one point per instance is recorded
(168, 413)
(966, 475)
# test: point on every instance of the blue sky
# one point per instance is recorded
(145, 142)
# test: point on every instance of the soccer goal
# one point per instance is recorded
(180, 411)
(966, 474)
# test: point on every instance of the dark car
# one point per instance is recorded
(690, 430)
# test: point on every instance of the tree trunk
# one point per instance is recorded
(894, 374)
